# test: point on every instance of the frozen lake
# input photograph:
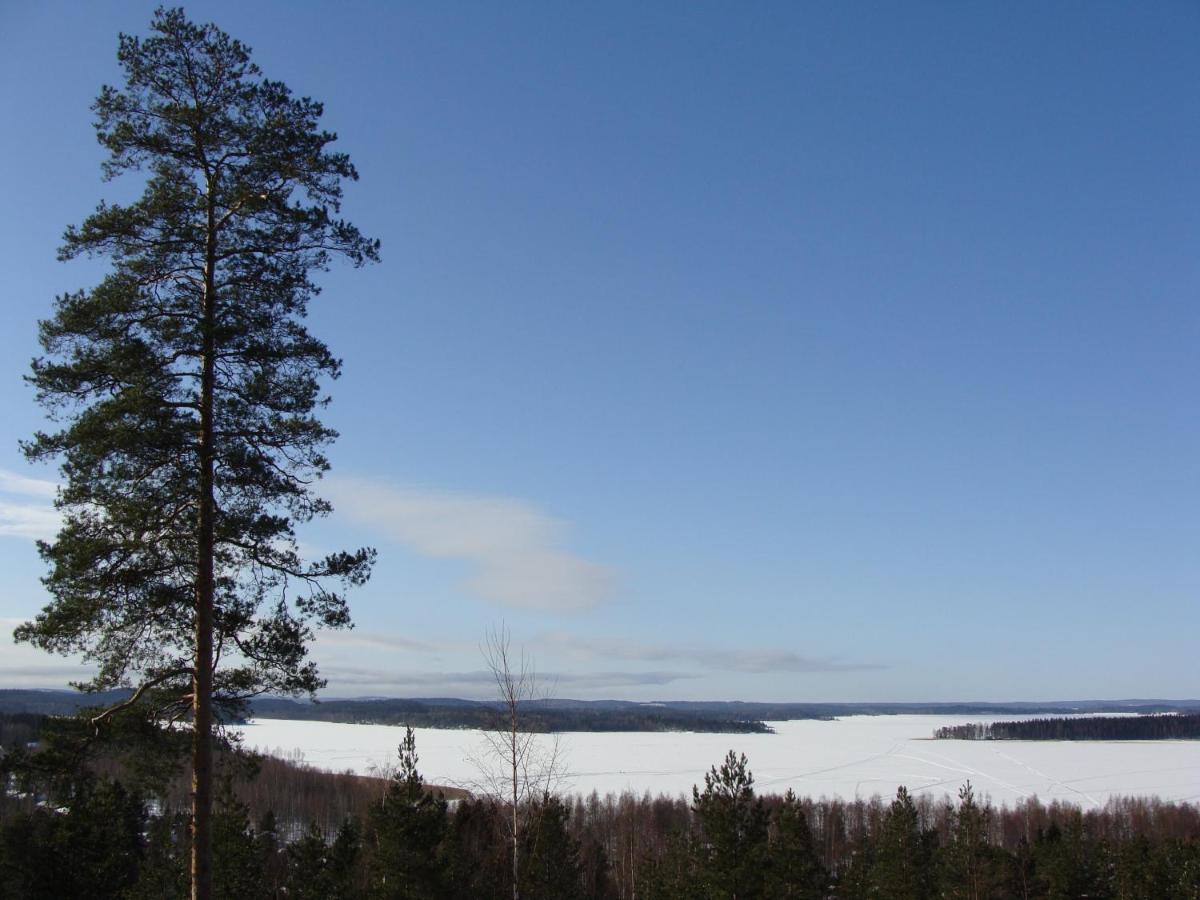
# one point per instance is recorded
(855, 756)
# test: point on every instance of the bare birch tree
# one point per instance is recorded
(518, 766)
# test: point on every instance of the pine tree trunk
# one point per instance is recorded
(202, 680)
(202, 775)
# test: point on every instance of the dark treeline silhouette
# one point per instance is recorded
(55, 703)
(297, 795)
(539, 716)
(292, 832)
(1097, 728)
(617, 715)
(721, 716)
(19, 729)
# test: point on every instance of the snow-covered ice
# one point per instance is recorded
(855, 756)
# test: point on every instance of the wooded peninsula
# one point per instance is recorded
(1165, 726)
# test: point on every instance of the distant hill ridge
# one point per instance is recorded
(721, 716)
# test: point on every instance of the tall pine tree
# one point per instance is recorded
(185, 385)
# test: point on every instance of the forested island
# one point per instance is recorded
(1165, 726)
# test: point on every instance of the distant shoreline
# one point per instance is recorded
(717, 716)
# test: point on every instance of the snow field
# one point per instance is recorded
(856, 756)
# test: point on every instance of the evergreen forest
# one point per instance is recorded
(117, 828)
(1183, 726)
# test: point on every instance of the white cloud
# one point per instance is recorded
(24, 512)
(513, 548)
(24, 508)
(12, 483)
(28, 520)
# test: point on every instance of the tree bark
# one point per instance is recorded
(202, 676)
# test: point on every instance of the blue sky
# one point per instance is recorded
(762, 351)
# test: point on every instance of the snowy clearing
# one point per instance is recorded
(856, 756)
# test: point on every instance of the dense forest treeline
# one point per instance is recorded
(287, 831)
(1168, 726)
(540, 715)
(544, 716)
(732, 717)
(55, 703)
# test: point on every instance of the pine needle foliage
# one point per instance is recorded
(184, 388)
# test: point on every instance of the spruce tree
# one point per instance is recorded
(318, 870)
(91, 846)
(478, 862)
(163, 874)
(794, 869)
(672, 872)
(733, 827)
(902, 868)
(1136, 874)
(407, 828)
(1179, 862)
(552, 869)
(307, 857)
(183, 387)
(969, 864)
(343, 878)
(1069, 862)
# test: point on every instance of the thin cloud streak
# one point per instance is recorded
(354, 639)
(513, 548)
(482, 682)
(12, 483)
(23, 510)
(51, 676)
(749, 661)
(31, 521)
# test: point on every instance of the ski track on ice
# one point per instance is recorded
(1096, 803)
(802, 775)
(986, 776)
(1126, 773)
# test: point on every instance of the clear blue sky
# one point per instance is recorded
(796, 351)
